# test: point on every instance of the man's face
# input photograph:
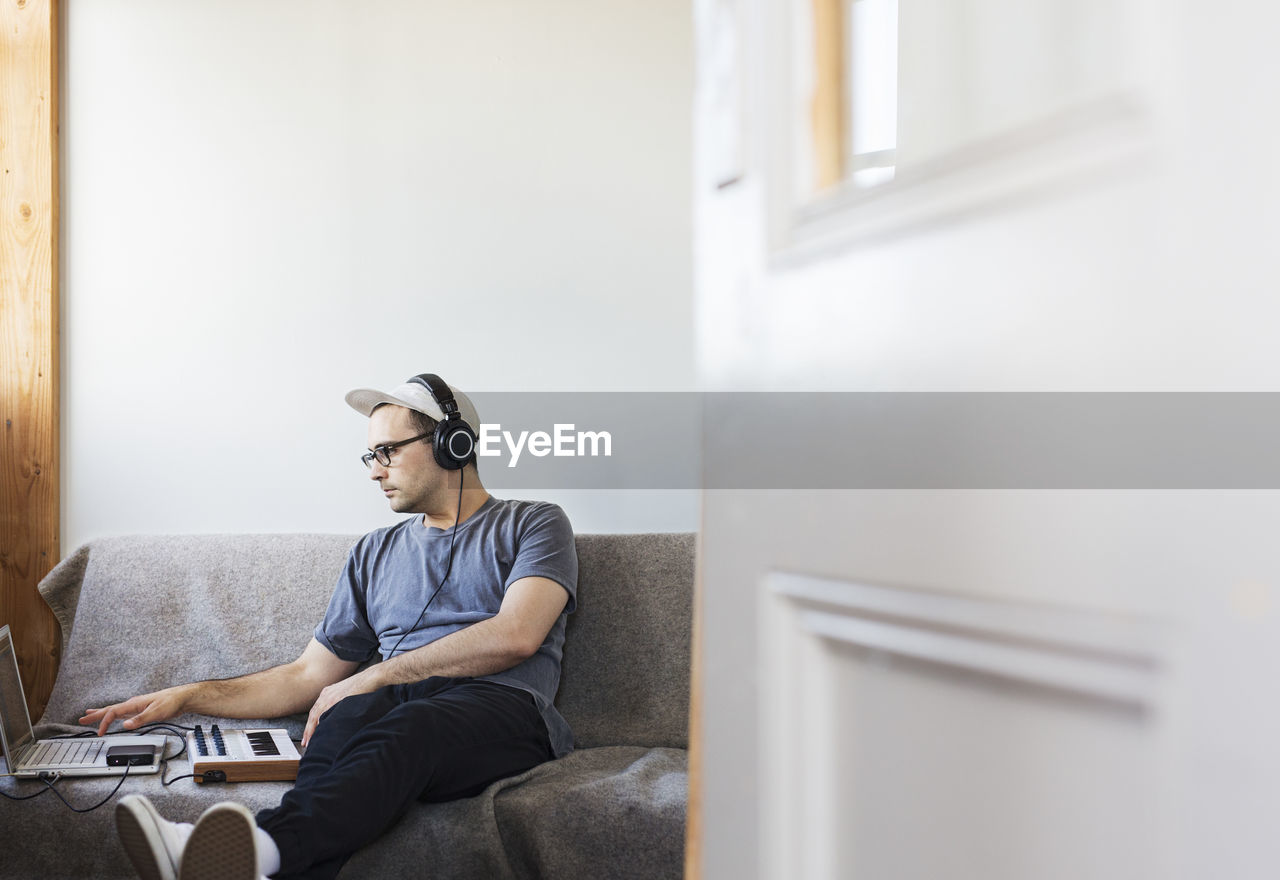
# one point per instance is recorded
(413, 477)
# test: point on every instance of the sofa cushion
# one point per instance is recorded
(624, 808)
(146, 612)
(624, 678)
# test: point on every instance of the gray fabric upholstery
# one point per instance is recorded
(141, 613)
(609, 811)
(158, 611)
(623, 652)
(628, 802)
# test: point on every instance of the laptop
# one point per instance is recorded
(29, 757)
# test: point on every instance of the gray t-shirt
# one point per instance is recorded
(392, 572)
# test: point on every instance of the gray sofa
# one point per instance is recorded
(141, 613)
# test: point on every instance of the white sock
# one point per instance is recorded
(177, 832)
(268, 853)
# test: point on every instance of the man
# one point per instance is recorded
(465, 602)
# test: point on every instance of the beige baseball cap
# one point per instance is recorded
(415, 396)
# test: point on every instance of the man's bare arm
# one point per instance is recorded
(529, 609)
(271, 693)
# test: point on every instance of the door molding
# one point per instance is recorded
(813, 628)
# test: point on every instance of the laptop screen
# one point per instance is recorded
(13, 707)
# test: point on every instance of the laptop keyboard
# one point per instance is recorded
(67, 753)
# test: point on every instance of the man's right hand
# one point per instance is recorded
(144, 709)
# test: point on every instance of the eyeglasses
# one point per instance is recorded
(383, 453)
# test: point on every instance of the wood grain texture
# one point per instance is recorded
(693, 811)
(29, 400)
(830, 97)
(248, 771)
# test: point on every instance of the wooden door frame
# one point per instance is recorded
(29, 374)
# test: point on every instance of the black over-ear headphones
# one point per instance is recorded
(454, 443)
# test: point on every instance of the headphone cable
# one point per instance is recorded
(448, 568)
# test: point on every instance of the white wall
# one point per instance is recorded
(266, 205)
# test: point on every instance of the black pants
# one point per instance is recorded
(373, 754)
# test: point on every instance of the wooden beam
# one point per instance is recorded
(693, 810)
(829, 108)
(29, 335)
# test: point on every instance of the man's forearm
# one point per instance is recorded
(271, 693)
(483, 648)
(280, 690)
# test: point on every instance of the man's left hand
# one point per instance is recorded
(362, 683)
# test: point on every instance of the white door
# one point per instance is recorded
(1044, 669)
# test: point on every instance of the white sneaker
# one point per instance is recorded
(222, 846)
(154, 844)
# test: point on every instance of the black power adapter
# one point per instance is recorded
(131, 756)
